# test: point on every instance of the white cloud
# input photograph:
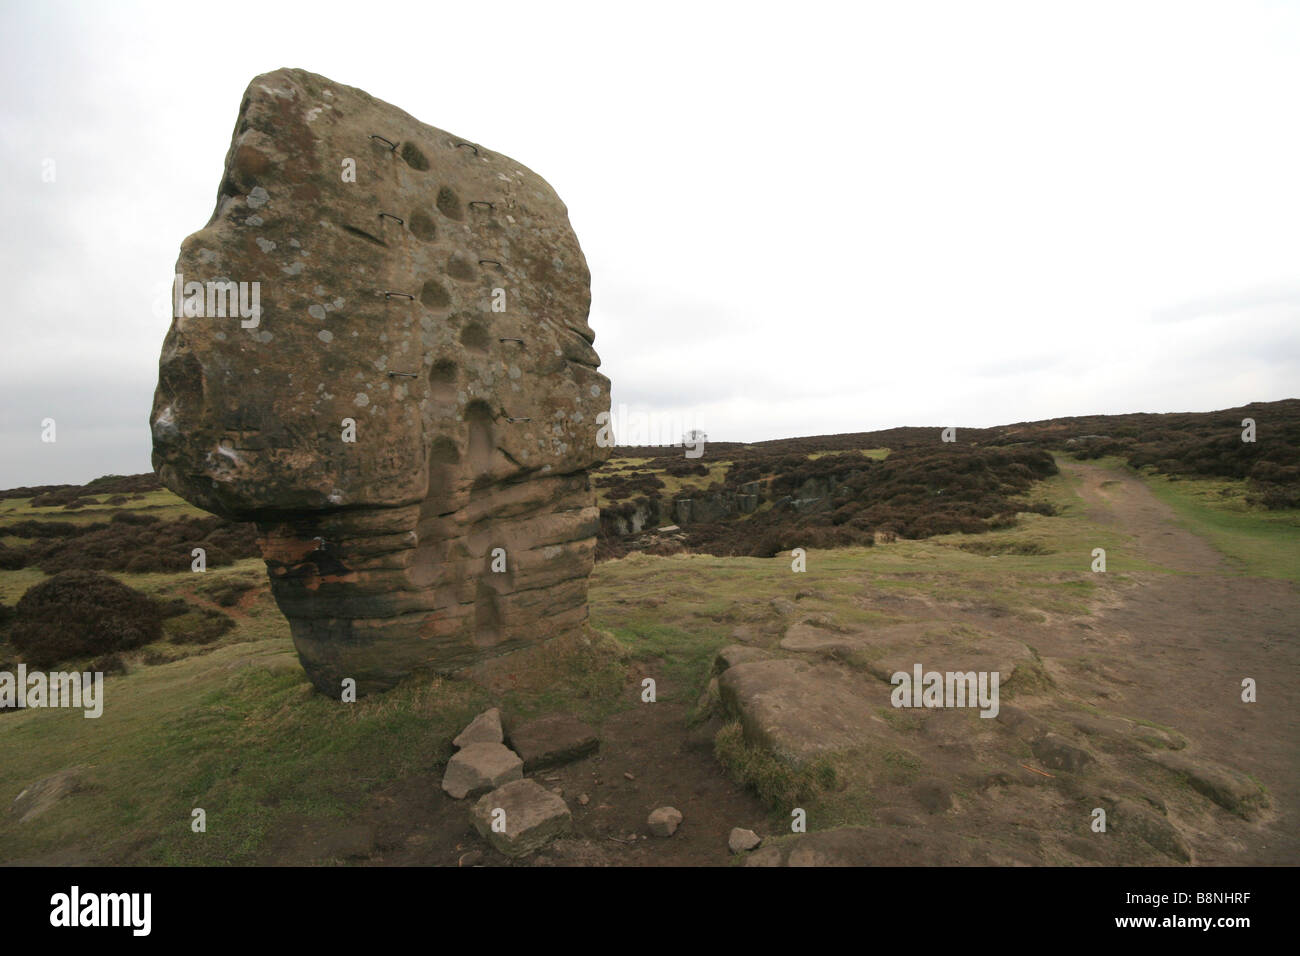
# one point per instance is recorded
(804, 220)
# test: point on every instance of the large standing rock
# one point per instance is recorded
(383, 251)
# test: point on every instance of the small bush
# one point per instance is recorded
(229, 592)
(133, 517)
(137, 544)
(683, 467)
(108, 664)
(197, 626)
(11, 559)
(79, 613)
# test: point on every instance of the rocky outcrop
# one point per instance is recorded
(381, 356)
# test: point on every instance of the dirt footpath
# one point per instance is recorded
(1183, 643)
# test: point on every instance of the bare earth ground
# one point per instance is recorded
(413, 823)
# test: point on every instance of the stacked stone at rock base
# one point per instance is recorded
(417, 388)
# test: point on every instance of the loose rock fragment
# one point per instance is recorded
(664, 821)
(527, 817)
(743, 840)
(480, 767)
(483, 729)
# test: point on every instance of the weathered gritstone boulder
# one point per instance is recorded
(553, 740)
(531, 814)
(741, 840)
(384, 252)
(664, 821)
(798, 711)
(480, 767)
(483, 729)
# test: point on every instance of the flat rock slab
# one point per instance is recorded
(941, 648)
(1057, 753)
(526, 815)
(481, 767)
(551, 741)
(750, 634)
(734, 654)
(1233, 791)
(46, 792)
(810, 639)
(483, 729)
(798, 710)
(856, 846)
(1127, 817)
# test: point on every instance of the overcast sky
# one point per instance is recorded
(800, 218)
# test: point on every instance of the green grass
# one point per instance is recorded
(1259, 542)
(584, 677)
(677, 658)
(877, 454)
(777, 784)
(673, 485)
(161, 504)
(232, 727)
(14, 584)
(239, 733)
